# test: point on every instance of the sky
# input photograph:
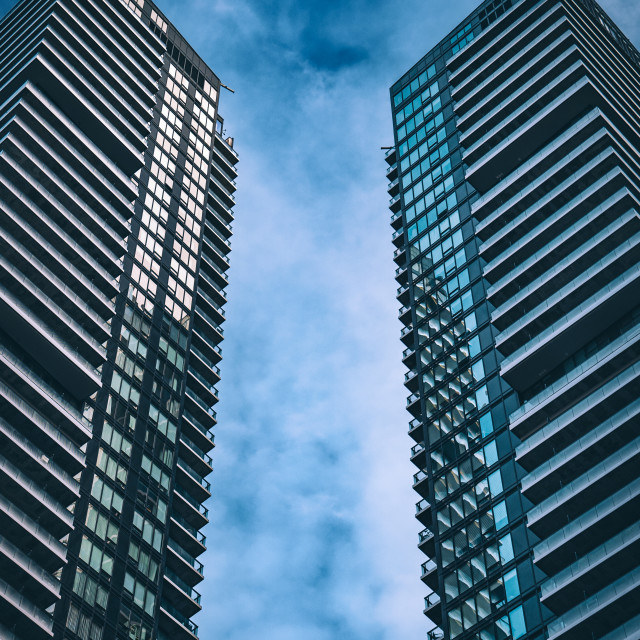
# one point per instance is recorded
(313, 535)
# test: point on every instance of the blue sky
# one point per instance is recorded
(313, 535)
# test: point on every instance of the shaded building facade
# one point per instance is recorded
(116, 218)
(513, 183)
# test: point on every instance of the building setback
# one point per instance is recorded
(116, 190)
(514, 183)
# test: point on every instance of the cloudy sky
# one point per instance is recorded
(313, 535)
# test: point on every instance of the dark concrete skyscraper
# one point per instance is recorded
(115, 215)
(515, 178)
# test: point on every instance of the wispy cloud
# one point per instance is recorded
(313, 535)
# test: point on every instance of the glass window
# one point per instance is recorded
(486, 424)
(500, 515)
(495, 483)
(518, 626)
(491, 453)
(506, 549)
(512, 588)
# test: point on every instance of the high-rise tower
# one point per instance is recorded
(115, 216)
(514, 180)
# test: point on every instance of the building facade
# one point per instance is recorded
(514, 182)
(115, 218)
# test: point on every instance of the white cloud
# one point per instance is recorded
(313, 533)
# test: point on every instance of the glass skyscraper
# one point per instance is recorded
(115, 216)
(514, 183)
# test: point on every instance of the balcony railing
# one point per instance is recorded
(198, 424)
(422, 505)
(204, 358)
(211, 301)
(431, 600)
(180, 617)
(410, 375)
(187, 557)
(201, 481)
(194, 503)
(416, 449)
(207, 384)
(423, 536)
(209, 319)
(190, 591)
(190, 528)
(435, 634)
(419, 477)
(199, 401)
(413, 398)
(192, 445)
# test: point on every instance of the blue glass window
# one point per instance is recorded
(511, 586)
(518, 626)
(500, 515)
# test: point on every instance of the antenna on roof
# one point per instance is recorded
(227, 88)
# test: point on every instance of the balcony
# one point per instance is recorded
(226, 148)
(411, 380)
(211, 269)
(207, 326)
(404, 315)
(179, 625)
(423, 512)
(415, 430)
(392, 172)
(221, 191)
(198, 408)
(196, 432)
(408, 357)
(390, 156)
(400, 255)
(210, 353)
(421, 483)
(214, 309)
(215, 255)
(396, 220)
(215, 291)
(413, 404)
(398, 238)
(430, 573)
(184, 564)
(197, 486)
(433, 608)
(184, 597)
(435, 634)
(395, 203)
(393, 187)
(191, 510)
(36, 503)
(43, 470)
(426, 544)
(402, 294)
(419, 455)
(202, 362)
(402, 275)
(187, 536)
(202, 386)
(195, 456)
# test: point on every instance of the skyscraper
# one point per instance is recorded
(514, 183)
(116, 187)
